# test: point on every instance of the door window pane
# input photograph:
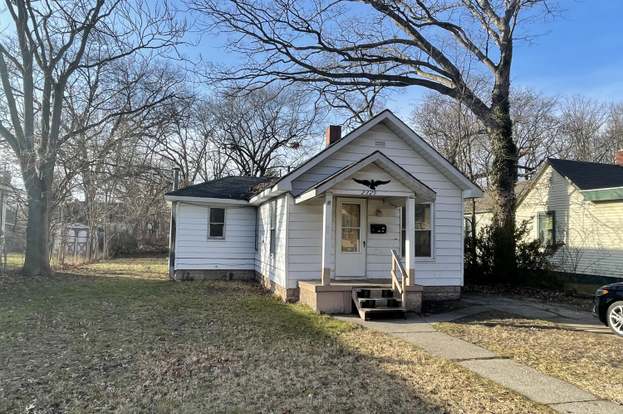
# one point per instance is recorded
(350, 215)
(351, 227)
(350, 240)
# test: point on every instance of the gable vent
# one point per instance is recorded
(379, 143)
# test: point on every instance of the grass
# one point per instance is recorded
(77, 343)
(591, 361)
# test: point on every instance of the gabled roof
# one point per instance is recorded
(380, 159)
(589, 175)
(401, 129)
(230, 188)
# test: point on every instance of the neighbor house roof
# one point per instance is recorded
(589, 175)
(230, 188)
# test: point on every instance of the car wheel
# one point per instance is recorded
(615, 317)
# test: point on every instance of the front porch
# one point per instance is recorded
(361, 236)
(337, 297)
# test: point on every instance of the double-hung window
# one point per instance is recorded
(546, 227)
(423, 230)
(216, 223)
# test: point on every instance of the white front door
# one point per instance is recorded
(350, 237)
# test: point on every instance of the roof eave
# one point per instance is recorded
(205, 200)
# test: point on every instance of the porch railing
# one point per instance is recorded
(399, 277)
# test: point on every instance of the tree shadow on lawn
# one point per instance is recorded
(77, 343)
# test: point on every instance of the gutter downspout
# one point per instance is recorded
(173, 226)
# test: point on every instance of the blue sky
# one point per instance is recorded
(579, 51)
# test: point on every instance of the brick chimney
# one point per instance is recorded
(332, 134)
(618, 158)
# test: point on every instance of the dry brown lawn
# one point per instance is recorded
(75, 343)
(592, 361)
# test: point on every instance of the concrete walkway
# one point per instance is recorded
(559, 395)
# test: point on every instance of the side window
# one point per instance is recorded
(423, 230)
(216, 223)
(273, 226)
(546, 227)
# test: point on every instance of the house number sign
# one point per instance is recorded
(371, 184)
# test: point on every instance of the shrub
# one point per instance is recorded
(533, 264)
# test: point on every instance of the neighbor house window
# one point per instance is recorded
(423, 230)
(546, 227)
(273, 226)
(216, 225)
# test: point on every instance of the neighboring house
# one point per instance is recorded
(578, 205)
(331, 224)
(480, 210)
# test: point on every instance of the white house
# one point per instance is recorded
(579, 206)
(378, 207)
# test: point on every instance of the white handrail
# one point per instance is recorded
(398, 285)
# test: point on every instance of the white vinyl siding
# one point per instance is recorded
(590, 232)
(193, 250)
(445, 268)
(272, 265)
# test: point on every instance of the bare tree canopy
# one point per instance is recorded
(265, 131)
(49, 45)
(460, 136)
(435, 44)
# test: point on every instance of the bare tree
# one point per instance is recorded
(435, 44)
(46, 46)
(185, 140)
(581, 125)
(263, 131)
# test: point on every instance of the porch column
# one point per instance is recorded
(327, 238)
(410, 240)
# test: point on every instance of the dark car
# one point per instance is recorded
(608, 306)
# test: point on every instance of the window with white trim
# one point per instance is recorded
(216, 223)
(423, 230)
(546, 227)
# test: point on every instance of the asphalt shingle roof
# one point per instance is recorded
(232, 188)
(589, 175)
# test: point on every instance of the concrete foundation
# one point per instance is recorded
(439, 293)
(214, 274)
(287, 295)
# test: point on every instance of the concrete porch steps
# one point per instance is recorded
(373, 303)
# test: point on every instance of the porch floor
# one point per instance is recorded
(344, 284)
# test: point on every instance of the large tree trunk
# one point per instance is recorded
(37, 261)
(504, 178)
